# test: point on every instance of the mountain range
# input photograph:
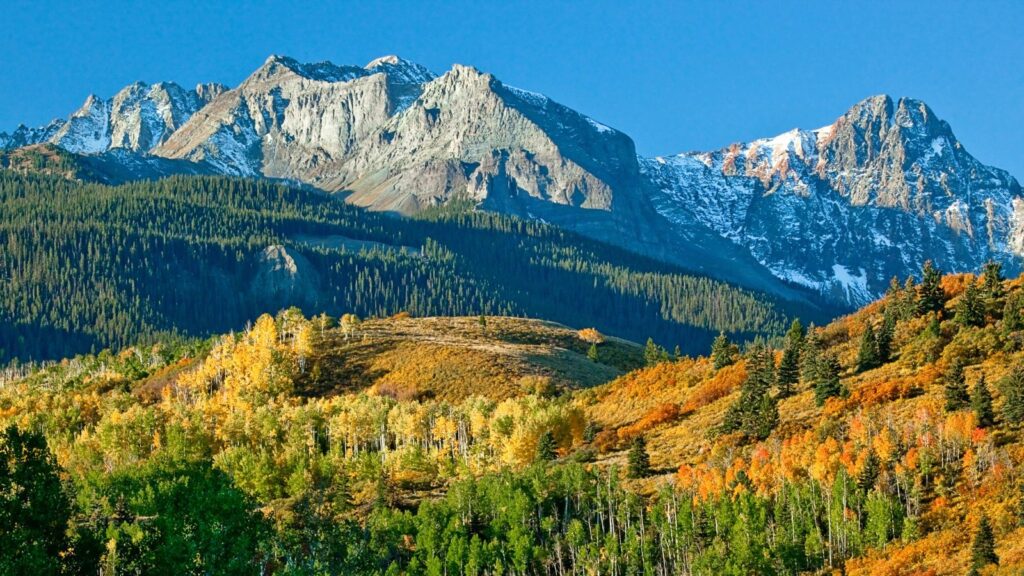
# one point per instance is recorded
(830, 214)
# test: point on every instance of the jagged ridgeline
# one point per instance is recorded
(87, 266)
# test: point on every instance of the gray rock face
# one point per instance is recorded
(283, 278)
(844, 208)
(138, 118)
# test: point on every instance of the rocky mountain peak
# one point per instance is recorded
(400, 70)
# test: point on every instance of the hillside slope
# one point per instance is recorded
(886, 427)
(86, 267)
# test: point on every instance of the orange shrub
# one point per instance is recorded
(658, 415)
(724, 382)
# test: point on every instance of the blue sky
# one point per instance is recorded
(675, 76)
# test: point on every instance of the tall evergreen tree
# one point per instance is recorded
(826, 379)
(722, 351)
(930, 296)
(992, 280)
(981, 403)
(789, 365)
(639, 460)
(34, 510)
(983, 549)
(1013, 394)
(756, 411)
(886, 334)
(869, 472)
(867, 354)
(970, 310)
(546, 447)
(955, 388)
(1013, 320)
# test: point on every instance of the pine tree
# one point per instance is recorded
(789, 371)
(930, 296)
(639, 459)
(955, 388)
(1013, 393)
(981, 403)
(654, 354)
(869, 473)
(722, 351)
(826, 379)
(885, 335)
(546, 447)
(970, 310)
(983, 549)
(992, 280)
(867, 355)
(756, 411)
(592, 352)
(1012, 318)
(789, 366)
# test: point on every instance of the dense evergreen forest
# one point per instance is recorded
(86, 267)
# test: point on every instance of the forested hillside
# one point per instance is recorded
(887, 442)
(86, 267)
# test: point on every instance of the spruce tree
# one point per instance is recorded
(546, 447)
(722, 351)
(867, 355)
(885, 335)
(1013, 394)
(639, 459)
(955, 388)
(970, 310)
(789, 366)
(592, 352)
(981, 403)
(992, 280)
(869, 473)
(756, 411)
(1013, 320)
(826, 379)
(789, 371)
(930, 296)
(654, 354)
(983, 549)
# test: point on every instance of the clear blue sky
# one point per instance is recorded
(676, 76)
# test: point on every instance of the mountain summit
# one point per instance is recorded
(835, 211)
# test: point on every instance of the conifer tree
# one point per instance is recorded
(885, 335)
(981, 403)
(869, 472)
(930, 296)
(639, 459)
(789, 366)
(592, 352)
(826, 379)
(546, 447)
(654, 354)
(955, 388)
(992, 280)
(970, 310)
(1013, 320)
(867, 355)
(1013, 393)
(722, 351)
(983, 549)
(756, 411)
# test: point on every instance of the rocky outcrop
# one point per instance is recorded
(844, 208)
